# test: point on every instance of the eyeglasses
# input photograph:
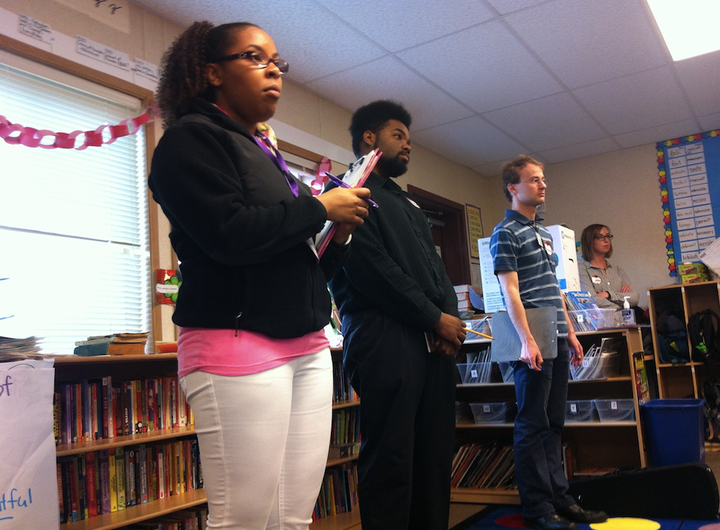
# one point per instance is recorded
(535, 181)
(260, 59)
(602, 238)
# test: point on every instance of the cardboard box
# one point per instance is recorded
(691, 268)
(694, 278)
(567, 267)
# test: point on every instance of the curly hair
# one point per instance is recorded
(373, 117)
(183, 67)
(510, 171)
(588, 238)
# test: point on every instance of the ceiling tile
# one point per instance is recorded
(469, 142)
(635, 102)
(313, 40)
(590, 41)
(492, 70)
(428, 105)
(493, 169)
(572, 152)
(711, 122)
(702, 90)
(658, 134)
(547, 123)
(508, 59)
(508, 6)
(488, 170)
(405, 23)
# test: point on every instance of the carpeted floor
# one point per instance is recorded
(501, 517)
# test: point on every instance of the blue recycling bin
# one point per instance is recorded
(674, 430)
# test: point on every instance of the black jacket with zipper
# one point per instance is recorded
(239, 232)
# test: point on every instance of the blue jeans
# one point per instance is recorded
(541, 398)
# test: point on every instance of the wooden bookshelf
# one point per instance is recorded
(69, 369)
(343, 521)
(682, 380)
(596, 445)
(139, 513)
(122, 441)
(131, 367)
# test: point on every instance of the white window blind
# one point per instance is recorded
(74, 240)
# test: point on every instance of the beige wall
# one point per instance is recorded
(619, 189)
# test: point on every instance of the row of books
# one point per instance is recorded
(486, 464)
(94, 409)
(345, 426)
(195, 519)
(338, 493)
(111, 480)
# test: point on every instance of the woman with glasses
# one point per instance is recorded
(253, 359)
(606, 282)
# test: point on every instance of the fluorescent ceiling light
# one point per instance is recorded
(689, 27)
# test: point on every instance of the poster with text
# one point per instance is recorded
(28, 478)
(689, 171)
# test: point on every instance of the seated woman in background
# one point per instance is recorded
(608, 283)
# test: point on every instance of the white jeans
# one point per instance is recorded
(263, 442)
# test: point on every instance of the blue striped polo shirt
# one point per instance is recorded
(522, 245)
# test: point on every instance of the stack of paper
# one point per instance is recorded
(355, 177)
(19, 349)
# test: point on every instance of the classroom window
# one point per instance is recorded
(74, 236)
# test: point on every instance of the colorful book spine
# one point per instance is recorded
(120, 472)
(142, 475)
(90, 485)
(104, 460)
(112, 471)
(130, 485)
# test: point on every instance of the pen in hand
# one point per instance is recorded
(341, 183)
(478, 333)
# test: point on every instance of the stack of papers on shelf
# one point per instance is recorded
(115, 344)
(19, 349)
(354, 177)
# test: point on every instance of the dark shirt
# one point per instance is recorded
(394, 267)
(239, 231)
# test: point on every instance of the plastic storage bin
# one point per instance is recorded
(475, 373)
(507, 372)
(675, 429)
(591, 368)
(597, 367)
(580, 411)
(615, 409)
(491, 412)
(592, 319)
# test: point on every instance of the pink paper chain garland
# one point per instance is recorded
(16, 134)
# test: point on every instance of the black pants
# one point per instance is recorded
(407, 423)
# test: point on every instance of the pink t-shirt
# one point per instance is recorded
(220, 352)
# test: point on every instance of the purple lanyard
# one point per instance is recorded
(279, 161)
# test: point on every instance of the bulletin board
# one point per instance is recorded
(475, 229)
(689, 170)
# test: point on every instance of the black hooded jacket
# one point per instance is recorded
(239, 232)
